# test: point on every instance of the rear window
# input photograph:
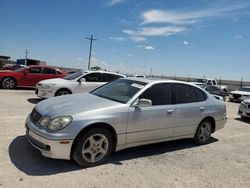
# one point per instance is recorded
(49, 71)
(187, 94)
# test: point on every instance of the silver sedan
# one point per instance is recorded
(244, 109)
(122, 114)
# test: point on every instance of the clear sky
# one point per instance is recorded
(181, 37)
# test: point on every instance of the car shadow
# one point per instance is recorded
(153, 149)
(34, 100)
(30, 161)
(245, 120)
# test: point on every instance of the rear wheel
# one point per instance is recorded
(61, 92)
(203, 133)
(93, 147)
(8, 83)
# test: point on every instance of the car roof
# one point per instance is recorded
(46, 66)
(101, 71)
(155, 80)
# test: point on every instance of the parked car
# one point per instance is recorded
(29, 76)
(125, 113)
(215, 90)
(240, 94)
(13, 67)
(211, 82)
(81, 81)
(244, 109)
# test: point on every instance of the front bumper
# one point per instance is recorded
(237, 98)
(244, 110)
(51, 148)
(44, 93)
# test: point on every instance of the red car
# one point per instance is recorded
(29, 76)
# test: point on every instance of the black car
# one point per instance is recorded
(216, 91)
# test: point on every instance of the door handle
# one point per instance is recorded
(202, 108)
(170, 111)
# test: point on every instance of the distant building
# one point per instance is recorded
(4, 60)
(30, 62)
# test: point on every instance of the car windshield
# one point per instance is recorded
(200, 80)
(245, 89)
(74, 76)
(121, 90)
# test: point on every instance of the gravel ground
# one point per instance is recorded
(224, 162)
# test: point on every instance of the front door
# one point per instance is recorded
(92, 81)
(154, 122)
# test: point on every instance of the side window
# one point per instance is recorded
(109, 77)
(214, 83)
(209, 82)
(48, 71)
(93, 77)
(58, 72)
(35, 70)
(159, 94)
(184, 93)
(200, 95)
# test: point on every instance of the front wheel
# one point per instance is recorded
(93, 147)
(61, 92)
(203, 133)
(8, 83)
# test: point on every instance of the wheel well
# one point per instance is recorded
(8, 77)
(97, 125)
(211, 120)
(63, 89)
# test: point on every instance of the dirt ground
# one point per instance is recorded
(224, 162)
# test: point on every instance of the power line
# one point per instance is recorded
(91, 39)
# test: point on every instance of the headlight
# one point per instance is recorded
(244, 103)
(59, 123)
(47, 86)
(44, 121)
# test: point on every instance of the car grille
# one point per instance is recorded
(236, 96)
(35, 116)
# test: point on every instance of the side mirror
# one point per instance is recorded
(82, 80)
(144, 103)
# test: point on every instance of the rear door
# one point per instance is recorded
(154, 122)
(92, 81)
(32, 76)
(190, 105)
(49, 73)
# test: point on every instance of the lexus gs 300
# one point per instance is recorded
(125, 113)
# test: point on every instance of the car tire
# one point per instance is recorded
(61, 92)
(8, 83)
(203, 133)
(92, 147)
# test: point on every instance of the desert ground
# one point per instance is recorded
(224, 162)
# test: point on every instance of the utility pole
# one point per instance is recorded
(26, 56)
(91, 39)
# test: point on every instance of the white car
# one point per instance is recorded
(244, 109)
(240, 94)
(79, 82)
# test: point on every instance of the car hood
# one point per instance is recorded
(53, 81)
(73, 104)
(240, 92)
